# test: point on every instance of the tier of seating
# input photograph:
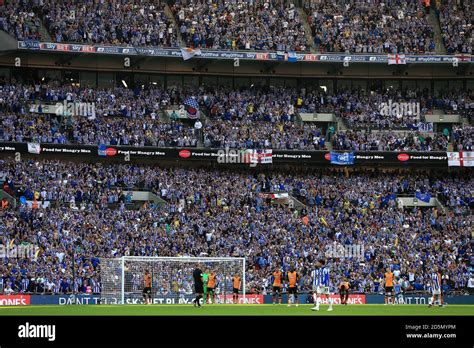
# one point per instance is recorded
(375, 26)
(221, 213)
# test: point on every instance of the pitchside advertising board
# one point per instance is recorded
(65, 300)
(15, 300)
(400, 159)
(354, 299)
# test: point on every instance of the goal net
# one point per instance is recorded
(123, 281)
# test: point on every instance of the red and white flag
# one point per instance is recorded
(464, 58)
(461, 159)
(260, 156)
(396, 59)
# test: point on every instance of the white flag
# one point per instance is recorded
(34, 148)
(188, 53)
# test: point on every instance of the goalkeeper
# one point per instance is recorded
(205, 279)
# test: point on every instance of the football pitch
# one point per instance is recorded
(237, 310)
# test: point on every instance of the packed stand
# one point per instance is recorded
(247, 134)
(109, 131)
(223, 214)
(238, 118)
(18, 19)
(389, 141)
(380, 26)
(463, 138)
(388, 109)
(260, 25)
(123, 22)
(456, 24)
(121, 117)
(454, 101)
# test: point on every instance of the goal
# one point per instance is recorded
(122, 279)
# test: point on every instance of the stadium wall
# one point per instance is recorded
(258, 68)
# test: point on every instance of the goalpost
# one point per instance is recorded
(122, 278)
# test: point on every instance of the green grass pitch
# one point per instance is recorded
(239, 310)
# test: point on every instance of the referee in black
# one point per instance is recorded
(198, 286)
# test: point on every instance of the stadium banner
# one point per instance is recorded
(245, 55)
(354, 299)
(419, 299)
(342, 159)
(66, 300)
(249, 299)
(15, 300)
(404, 159)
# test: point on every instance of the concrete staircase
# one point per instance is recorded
(341, 125)
(297, 204)
(163, 116)
(298, 120)
(433, 20)
(44, 33)
(307, 30)
(7, 42)
(171, 17)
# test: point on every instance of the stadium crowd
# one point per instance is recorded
(380, 26)
(457, 26)
(19, 20)
(463, 138)
(269, 25)
(106, 130)
(222, 213)
(134, 23)
(248, 134)
(389, 141)
(247, 117)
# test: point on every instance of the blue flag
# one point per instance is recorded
(292, 57)
(424, 197)
(343, 158)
